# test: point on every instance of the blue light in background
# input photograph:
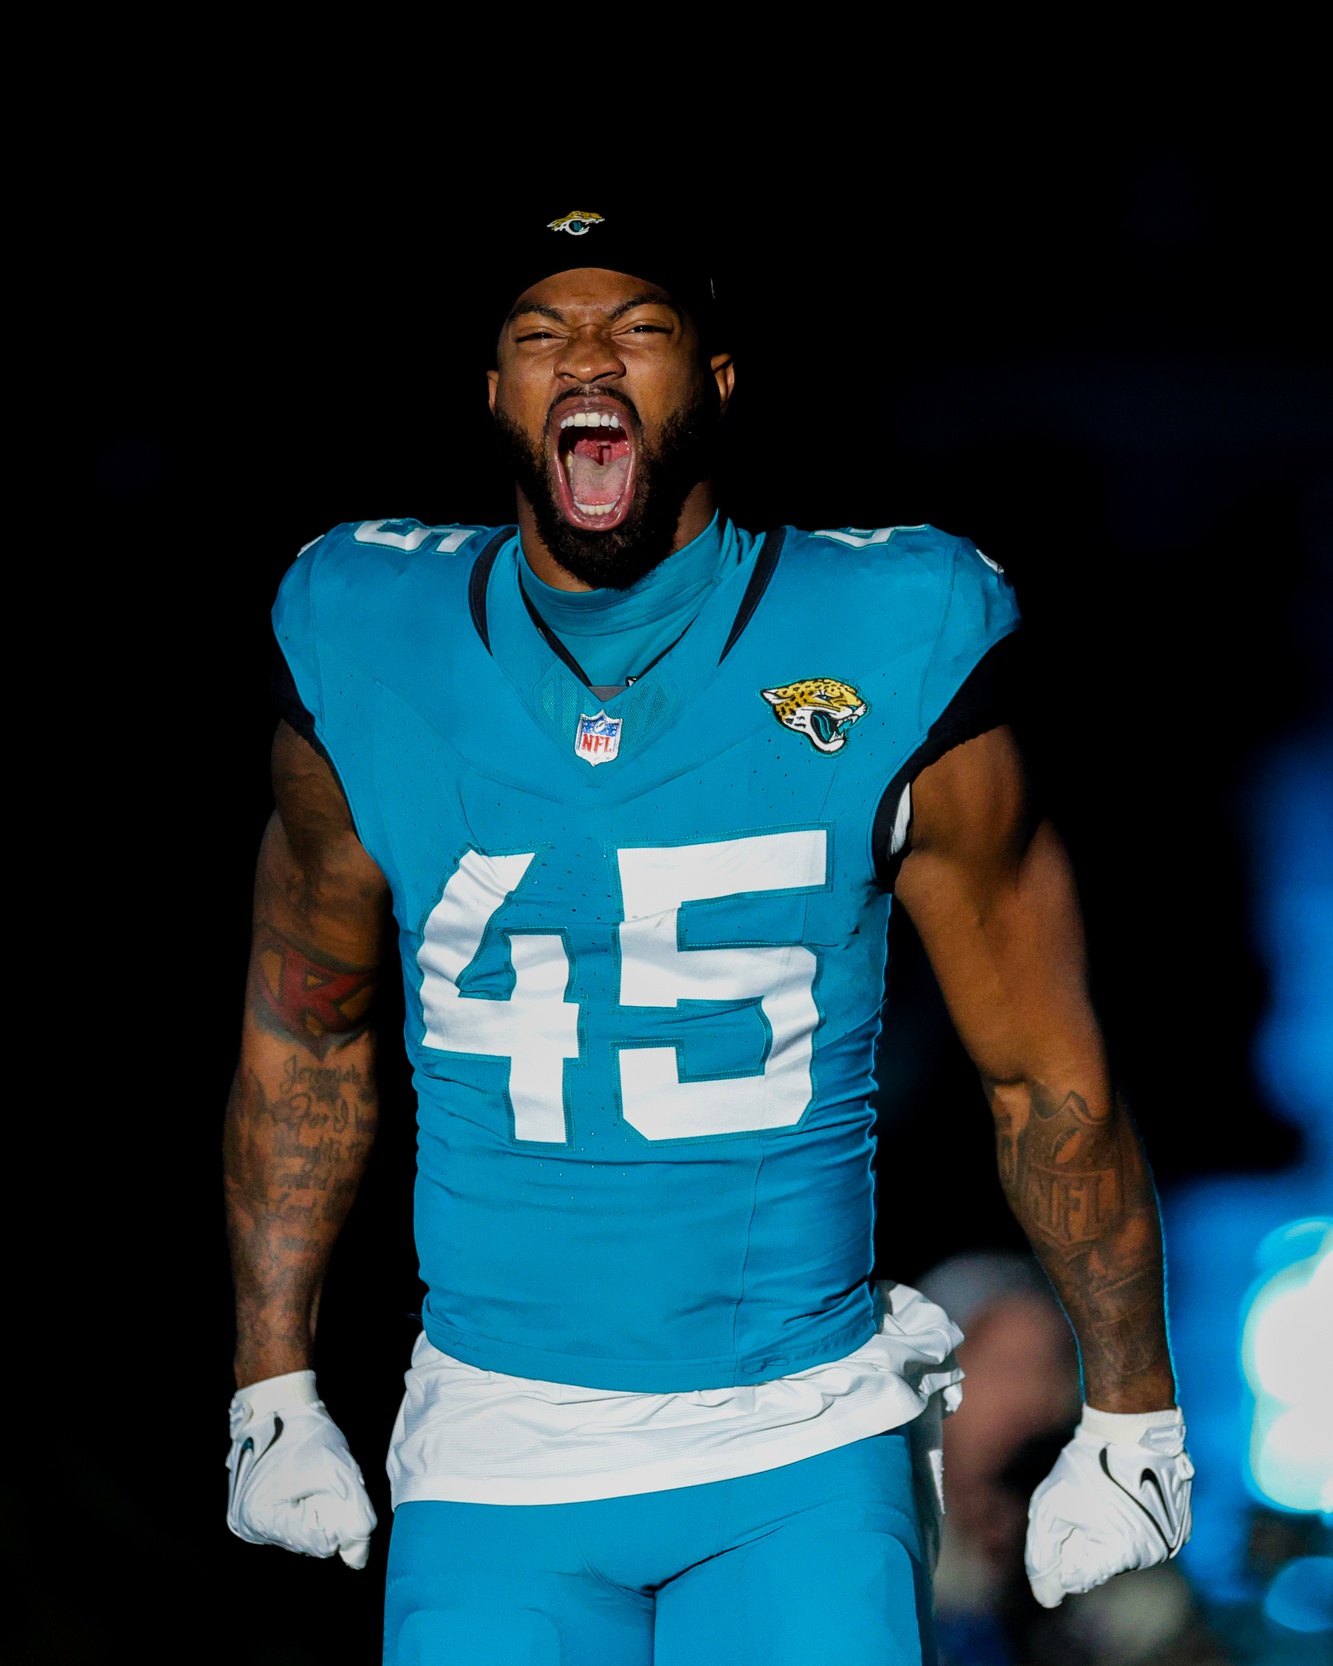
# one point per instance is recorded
(1215, 1228)
(1301, 1597)
(1287, 1357)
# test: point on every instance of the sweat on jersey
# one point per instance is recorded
(643, 938)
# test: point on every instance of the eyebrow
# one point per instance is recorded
(648, 298)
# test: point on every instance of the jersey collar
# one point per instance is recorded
(558, 699)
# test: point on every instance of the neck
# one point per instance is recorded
(699, 508)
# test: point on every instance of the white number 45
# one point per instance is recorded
(537, 1029)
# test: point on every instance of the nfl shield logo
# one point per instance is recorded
(597, 739)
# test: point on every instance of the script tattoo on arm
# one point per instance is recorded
(302, 1113)
(992, 895)
(295, 1151)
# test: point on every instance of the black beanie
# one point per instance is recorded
(666, 249)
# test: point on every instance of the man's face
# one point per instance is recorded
(608, 408)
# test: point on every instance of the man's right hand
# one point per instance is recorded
(294, 1482)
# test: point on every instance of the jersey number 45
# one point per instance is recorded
(537, 1029)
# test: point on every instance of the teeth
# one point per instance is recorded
(593, 508)
(591, 419)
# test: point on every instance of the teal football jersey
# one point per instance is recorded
(643, 938)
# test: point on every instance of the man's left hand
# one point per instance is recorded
(1118, 1498)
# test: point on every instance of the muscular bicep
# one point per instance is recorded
(992, 896)
(321, 906)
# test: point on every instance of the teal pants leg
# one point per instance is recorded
(825, 1569)
(504, 1585)
(816, 1562)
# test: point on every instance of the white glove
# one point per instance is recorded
(293, 1481)
(1118, 1498)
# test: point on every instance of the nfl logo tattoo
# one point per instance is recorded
(597, 739)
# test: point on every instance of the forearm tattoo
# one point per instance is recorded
(295, 1151)
(300, 1123)
(1078, 1182)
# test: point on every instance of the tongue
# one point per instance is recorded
(598, 469)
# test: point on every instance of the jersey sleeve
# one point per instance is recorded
(295, 680)
(969, 686)
(298, 679)
(354, 606)
(981, 612)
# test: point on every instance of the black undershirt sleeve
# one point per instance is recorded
(986, 700)
(291, 708)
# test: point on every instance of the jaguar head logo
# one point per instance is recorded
(576, 224)
(819, 708)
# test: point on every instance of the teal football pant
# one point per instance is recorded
(816, 1562)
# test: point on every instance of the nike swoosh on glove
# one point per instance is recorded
(1118, 1498)
(293, 1481)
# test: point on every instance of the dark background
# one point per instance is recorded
(1101, 351)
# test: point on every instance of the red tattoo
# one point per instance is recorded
(308, 999)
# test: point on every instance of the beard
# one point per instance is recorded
(666, 474)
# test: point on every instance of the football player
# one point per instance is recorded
(636, 789)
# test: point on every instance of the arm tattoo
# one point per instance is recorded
(291, 1153)
(295, 1152)
(302, 1113)
(1079, 1184)
(1069, 1180)
(321, 1003)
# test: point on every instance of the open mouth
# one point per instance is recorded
(826, 725)
(594, 452)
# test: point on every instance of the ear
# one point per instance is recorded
(772, 695)
(492, 384)
(723, 372)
